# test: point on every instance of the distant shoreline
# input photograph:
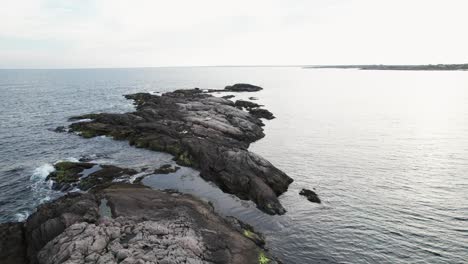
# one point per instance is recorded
(428, 67)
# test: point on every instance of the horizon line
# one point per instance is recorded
(228, 66)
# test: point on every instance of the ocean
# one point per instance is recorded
(386, 151)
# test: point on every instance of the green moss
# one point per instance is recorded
(174, 149)
(140, 143)
(248, 234)
(118, 135)
(64, 172)
(88, 133)
(262, 258)
(155, 145)
(184, 159)
(256, 238)
(87, 183)
(64, 165)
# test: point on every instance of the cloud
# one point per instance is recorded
(122, 33)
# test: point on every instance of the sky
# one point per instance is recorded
(152, 33)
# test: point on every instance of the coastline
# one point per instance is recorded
(96, 208)
(381, 67)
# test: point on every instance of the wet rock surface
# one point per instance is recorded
(143, 226)
(82, 175)
(310, 195)
(202, 131)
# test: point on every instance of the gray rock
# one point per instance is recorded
(147, 226)
(243, 87)
(310, 195)
(205, 132)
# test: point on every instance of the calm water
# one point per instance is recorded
(386, 151)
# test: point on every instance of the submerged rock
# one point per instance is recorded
(82, 175)
(143, 226)
(310, 195)
(202, 131)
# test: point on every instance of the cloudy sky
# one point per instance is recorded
(143, 33)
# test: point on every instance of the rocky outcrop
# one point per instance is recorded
(254, 109)
(127, 223)
(51, 219)
(202, 131)
(69, 175)
(310, 195)
(243, 87)
(261, 113)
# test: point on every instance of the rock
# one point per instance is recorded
(145, 225)
(68, 175)
(12, 244)
(243, 87)
(261, 113)
(228, 96)
(202, 131)
(253, 98)
(91, 157)
(60, 129)
(254, 109)
(51, 219)
(310, 195)
(166, 169)
(247, 230)
(246, 104)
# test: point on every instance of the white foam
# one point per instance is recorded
(22, 216)
(134, 177)
(83, 120)
(44, 199)
(42, 172)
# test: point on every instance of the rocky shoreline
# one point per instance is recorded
(107, 216)
(129, 223)
(208, 133)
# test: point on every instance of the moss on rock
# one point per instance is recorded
(185, 159)
(262, 258)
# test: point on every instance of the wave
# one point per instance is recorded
(21, 216)
(42, 172)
